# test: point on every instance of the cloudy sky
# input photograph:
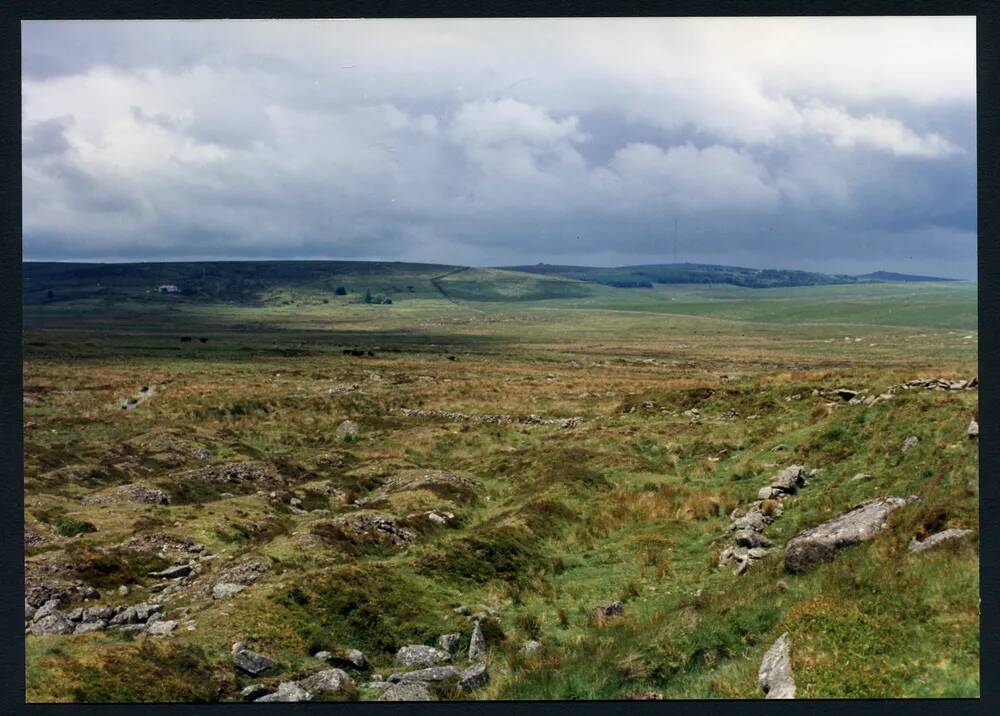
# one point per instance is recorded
(843, 144)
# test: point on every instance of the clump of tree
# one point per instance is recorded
(341, 291)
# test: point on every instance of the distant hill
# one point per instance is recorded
(890, 276)
(647, 275)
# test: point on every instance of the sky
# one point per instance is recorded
(840, 145)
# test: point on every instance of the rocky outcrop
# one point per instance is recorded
(859, 524)
(441, 482)
(474, 677)
(775, 673)
(748, 525)
(449, 642)
(429, 675)
(238, 474)
(369, 529)
(421, 656)
(916, 546)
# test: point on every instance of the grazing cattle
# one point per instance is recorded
(185, 339)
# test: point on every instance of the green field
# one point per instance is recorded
(631, 503)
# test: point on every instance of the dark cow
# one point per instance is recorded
(185, 339)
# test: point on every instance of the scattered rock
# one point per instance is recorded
(775, 673)
(859, 524)
(973, 431)
(916, 546)
(252, 663)
(421, 656)
(910, 443)
(406, 691)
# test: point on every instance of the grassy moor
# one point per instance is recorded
(368, 481)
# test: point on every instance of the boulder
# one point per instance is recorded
(752, 520)
(477, 644)
(175, 572)
(859, 524)
(421, 656)
(775, 673)
(252, 663)
(52, 623)
(430, 675)
(288, 692)
(474, 677)
(934, 540)
(162, 628)
(333, 682)
(343, 658)
(910, 443)
(406, 691)
(449, 642)
(85, 627)
(790, 479)
(973, 431)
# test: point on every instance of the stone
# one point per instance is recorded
(766, 493)
(775, 673)
(50, 607)
(430, 675)
(861, 476)
(29, 612)
(406, 691)
(858, 524)
(348, 427)
(421, 656)
(123, 590)
(98, 613)
(175, 572)
(462, 609)
(334, 682)
(910, 443)
(449, 642)
(288, 692)
(916, 546)
(474, 677)
(252, 663)
(973, 431)
(222, 590)
(162, 628)
(85, 627)
(790, 479)
(343, 658)
(53, 623)
(530, 647)
(477, 644)
(846, 394)
(752, 520)
(757, 552)
(254, 692)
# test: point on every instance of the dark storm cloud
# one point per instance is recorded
(832, 146)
